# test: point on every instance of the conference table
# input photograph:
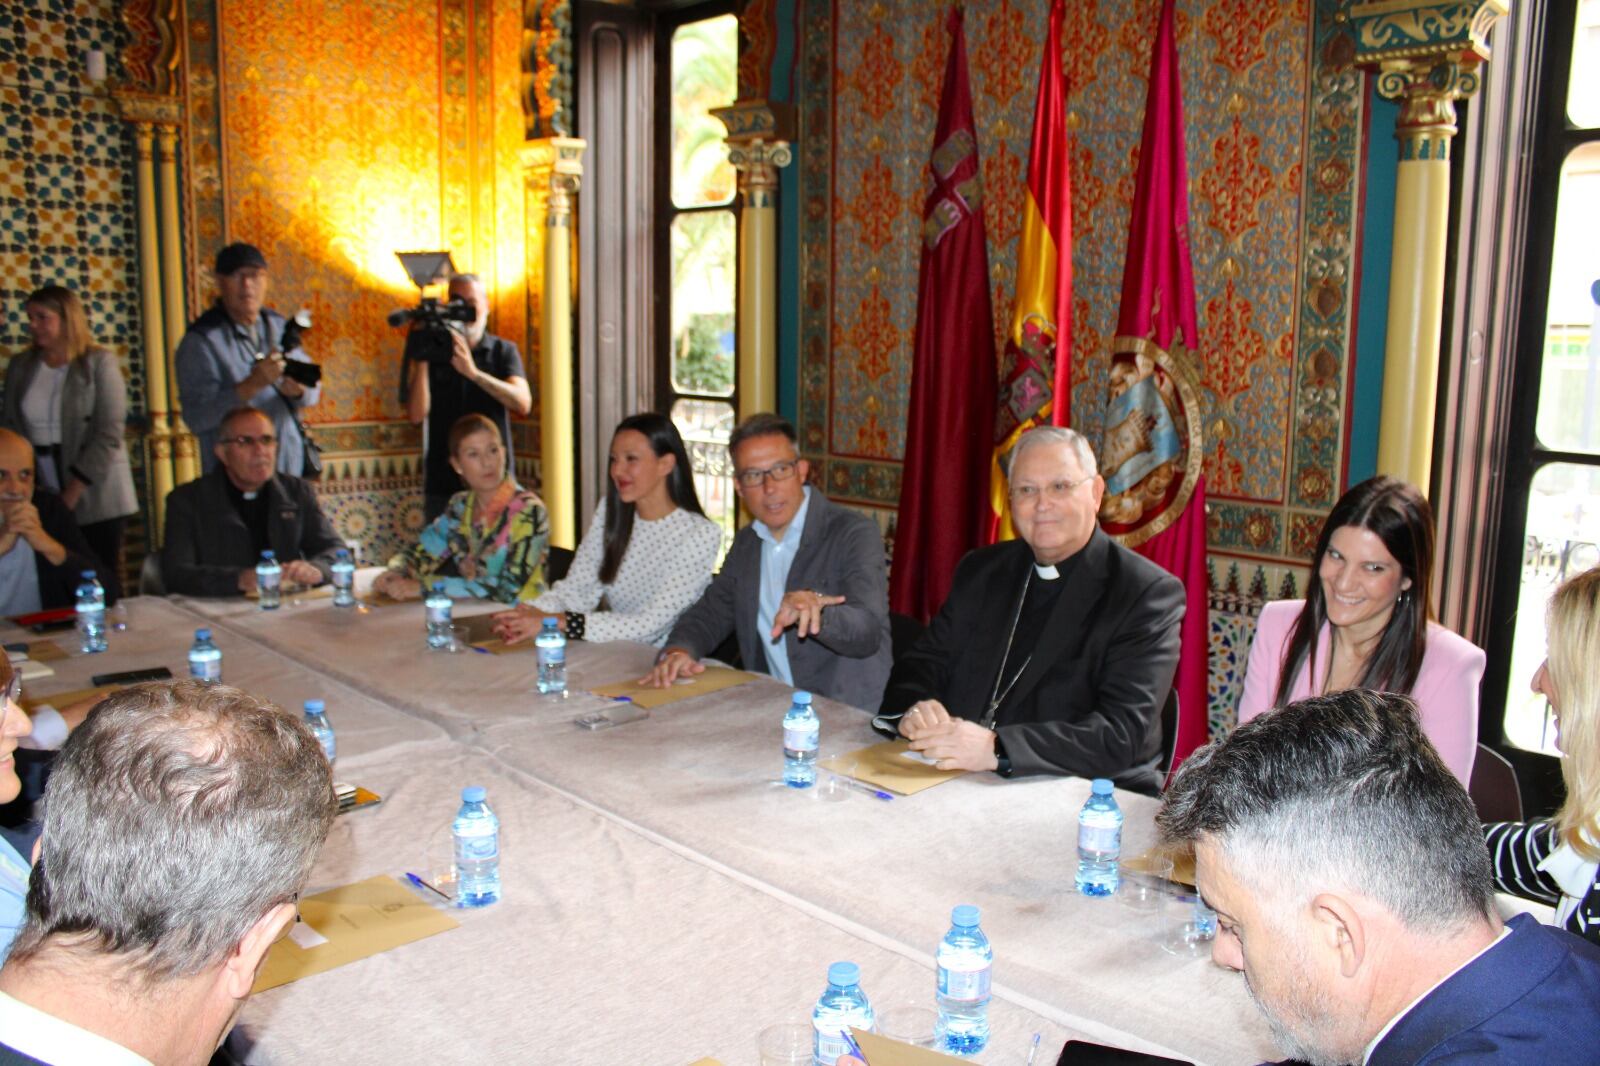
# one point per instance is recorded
(666, 896)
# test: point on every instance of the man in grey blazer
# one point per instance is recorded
(218, 524)
(803, 587)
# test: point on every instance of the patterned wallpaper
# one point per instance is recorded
(403, 135)
(1274, 124)
(66, 177)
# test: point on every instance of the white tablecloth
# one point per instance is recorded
(684, 812)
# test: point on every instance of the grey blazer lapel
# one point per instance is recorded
(26, 372)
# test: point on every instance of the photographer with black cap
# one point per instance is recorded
(234, 354)
(483, 376)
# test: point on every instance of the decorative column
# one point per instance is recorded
(553, 170)
(1426, 55)
(186, 461)
(758, 144)
(143, 113)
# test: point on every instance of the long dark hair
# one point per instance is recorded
(1402, 519)
(664, 439)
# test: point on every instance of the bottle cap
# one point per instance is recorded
(548, 623)
(341, 553)
(438, 586)
(88, 575)
(965, 916)
(802, 697)
(844, 973)
(1102, 786)
(202, 634)
(473, 794)
(314, 706)
(268, 554)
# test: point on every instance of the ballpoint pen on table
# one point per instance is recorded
(855, 1048)
(1033, 1049)
(862, 786)
(420, 883)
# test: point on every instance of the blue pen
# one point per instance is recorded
(855, 1049)
(862, 786)
(420, 883)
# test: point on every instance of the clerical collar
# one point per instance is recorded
(250, 495)
(1048, 573)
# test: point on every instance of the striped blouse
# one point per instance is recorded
(1531, 862)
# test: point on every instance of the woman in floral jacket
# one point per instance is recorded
(490, 542)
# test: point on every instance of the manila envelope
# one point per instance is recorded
(67, 699)
(713, 679)
(881, 1051)
(342, 925)
(888, 765)
(1182, 864)
(45, 651)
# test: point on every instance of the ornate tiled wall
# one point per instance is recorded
(403, 135)
(66, 183)
(1274, 122)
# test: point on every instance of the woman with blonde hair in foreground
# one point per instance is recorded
(1556, 861)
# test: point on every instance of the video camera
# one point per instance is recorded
(432, 322)
(307, 374)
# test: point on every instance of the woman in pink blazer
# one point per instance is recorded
(1365, 623)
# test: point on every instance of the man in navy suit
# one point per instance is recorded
(1347, 869)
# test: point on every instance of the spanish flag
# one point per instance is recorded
(1036, 369)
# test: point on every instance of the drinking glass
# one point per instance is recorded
(788, 1044)
(1146, 890)
(909, 1024)
(1188, 925)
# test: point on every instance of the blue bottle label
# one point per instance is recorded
(829, 1047)
(1101, 839)
(439, 616)
(555, 655)
(964, 984)
(206, 670)
(800, 739)
(478, 848)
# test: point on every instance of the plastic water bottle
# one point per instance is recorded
(843, 1006)
(91, 614)
(205, 659)
(344, 579)
(1099, 841)
(321, 728)
(800, 733)
(965, 962)
(269, 580)
(437, 606)
(477, 835)
(552, 647)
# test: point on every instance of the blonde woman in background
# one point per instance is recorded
(67, 396)
(1555, 861)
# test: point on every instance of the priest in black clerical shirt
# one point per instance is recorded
(218, 525)
(1053, 653)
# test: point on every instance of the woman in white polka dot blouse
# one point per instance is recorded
(648, 553)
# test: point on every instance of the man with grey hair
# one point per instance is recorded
(1347, 869)
(484, 376)
(1054, 653)
(180, 824)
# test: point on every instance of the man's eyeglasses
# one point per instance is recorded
(1055, 491)
(753, 479)
(266, 440)
(14, 690)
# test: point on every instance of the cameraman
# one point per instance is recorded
(230, 357)
(484, 376)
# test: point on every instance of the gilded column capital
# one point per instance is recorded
(148, 109)
(760, 136)
(553, 169)
(1426, 55)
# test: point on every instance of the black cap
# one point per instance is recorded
(237, 257)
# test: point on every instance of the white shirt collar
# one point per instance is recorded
(1048, 573)
(1573, 873)
(1366, 1056)
(49, 1039)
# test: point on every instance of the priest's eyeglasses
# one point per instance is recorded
(753, 479)
(266, 440)
(1054, 491)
